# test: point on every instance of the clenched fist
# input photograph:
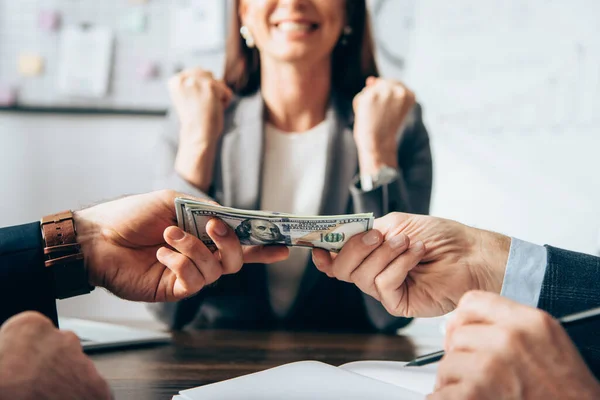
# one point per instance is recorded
(200, 102)
(380, 110)
(37, 361)
(497, 349)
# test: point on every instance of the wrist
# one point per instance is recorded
(196, 166)
(490, 255)
(370, 162)
(88, 232)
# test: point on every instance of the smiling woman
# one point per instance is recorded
(341, 38)
(301, 123)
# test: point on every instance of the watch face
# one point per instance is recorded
(386, 175)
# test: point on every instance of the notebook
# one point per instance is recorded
(95, 335)
(316, 380)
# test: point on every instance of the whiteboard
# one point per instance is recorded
(537, 61)
(133, 50)
(20, 33)
(511, 93)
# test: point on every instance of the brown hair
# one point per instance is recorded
(352, 62)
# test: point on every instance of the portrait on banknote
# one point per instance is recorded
(254, 231)
(259, 227)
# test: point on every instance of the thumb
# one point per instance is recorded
(264, 254)
(371, 80)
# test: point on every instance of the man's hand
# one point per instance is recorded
(498, 349)
(132, 249)
(419, 266)
(37, 361)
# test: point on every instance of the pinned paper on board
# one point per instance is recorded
(30, 65)
(85, 57)
(49, 20)
(135, 21)
(8, 95)
(198, 25)
(148, 70)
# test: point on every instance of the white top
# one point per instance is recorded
(292, 182)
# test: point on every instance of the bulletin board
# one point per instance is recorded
(142, 59)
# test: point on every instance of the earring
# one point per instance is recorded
(346, 35)
(245, 32)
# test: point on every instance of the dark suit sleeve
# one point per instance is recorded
(572, 284)
(25, 284)
(410, 193)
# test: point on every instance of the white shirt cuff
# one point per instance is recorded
(525, 272)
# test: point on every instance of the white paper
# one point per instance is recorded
(300, 381)
(416, 379)
(85, 61)
(197, 25)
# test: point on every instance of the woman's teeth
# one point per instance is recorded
(294, 27)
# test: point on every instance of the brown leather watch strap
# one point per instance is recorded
(59, 229)
(63, 255)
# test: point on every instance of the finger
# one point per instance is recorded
(382, 85)
(364, 276)
(409, 101)
(95, 386)
(391, 283)
(188, 78)
(195, 251)
(188, 278)
(371, 80)
(197, 72)
(323, 261)
(70, 341)
(167, 198)
(193, 248)
(483, 338)
(193, 78)
(171, 195)
(456, 367)
(453, 392)
(226, 92)
(393, 223)
(175, 82)
(222, 91)
(32, 320)
(189, 82)
(265, 254)
(228, 245)
(490, 308)
(356, 100)
(354, 253)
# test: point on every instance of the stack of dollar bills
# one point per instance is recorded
(265, 227)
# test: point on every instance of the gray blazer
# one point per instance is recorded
(241, 300)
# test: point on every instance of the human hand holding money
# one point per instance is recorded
(270, 228)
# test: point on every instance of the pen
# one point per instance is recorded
(566, 321)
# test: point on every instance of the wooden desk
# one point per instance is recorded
(198, 358)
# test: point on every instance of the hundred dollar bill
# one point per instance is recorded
(264, 227)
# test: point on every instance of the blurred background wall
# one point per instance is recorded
(510, 90)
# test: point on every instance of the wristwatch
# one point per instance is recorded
(384, 176)
(63, 254)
